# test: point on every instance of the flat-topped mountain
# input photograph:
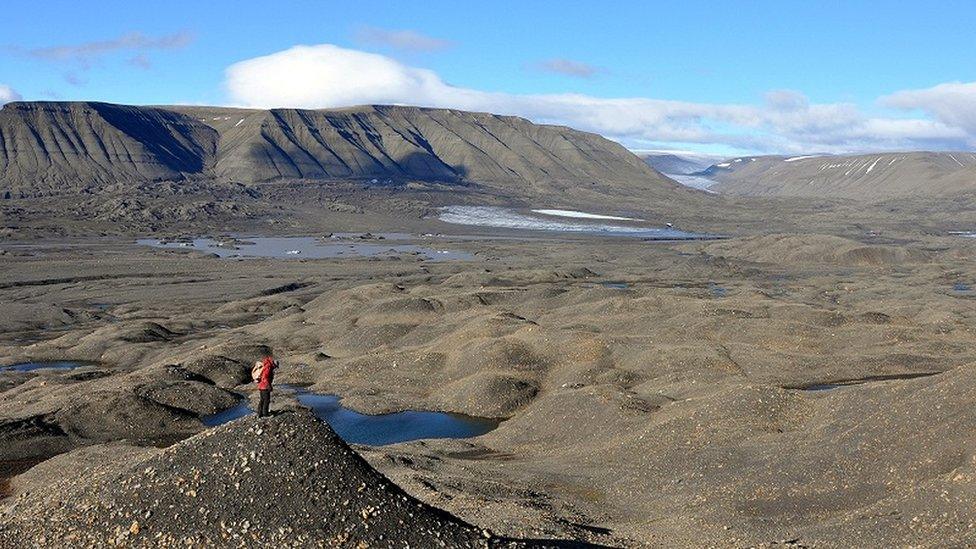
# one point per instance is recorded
(54, 147)
(865, 177)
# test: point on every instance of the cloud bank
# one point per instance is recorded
(785, 121)
(8, 94)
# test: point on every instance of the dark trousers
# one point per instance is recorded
(264, 406)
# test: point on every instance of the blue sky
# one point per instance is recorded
(843, 75)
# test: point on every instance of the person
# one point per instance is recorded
(265, 381)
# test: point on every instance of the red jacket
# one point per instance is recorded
(267, 374)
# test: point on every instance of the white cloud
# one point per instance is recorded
(953, 103)
(323, 76)
(8, 94)
(406, 40)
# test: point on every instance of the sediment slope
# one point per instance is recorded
(863, 177)
(50, 147)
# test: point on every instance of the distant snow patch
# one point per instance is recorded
(583, 215)
(795, 158)
(871, 167)
(239, 122)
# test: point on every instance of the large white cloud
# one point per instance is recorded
(8, 94)
(322, 76)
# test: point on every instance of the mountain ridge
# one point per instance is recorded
(877, 176)
(52, 147)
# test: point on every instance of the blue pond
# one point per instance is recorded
(378, 430)
(44, 365)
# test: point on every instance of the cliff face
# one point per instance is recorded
(65, 147)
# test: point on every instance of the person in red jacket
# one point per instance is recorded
(265, 381)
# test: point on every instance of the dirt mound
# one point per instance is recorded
(488, 394)
(223, 371)
(806, 249)
(284, 481)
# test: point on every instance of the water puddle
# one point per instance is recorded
(374, 430)
(718, 291)
(309, 247)
(230, 414)
(62, 365)
(615, 285)
(962, 289)
(492, 216)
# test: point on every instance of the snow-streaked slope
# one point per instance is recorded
(864, 177)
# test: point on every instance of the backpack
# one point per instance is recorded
(256, 371)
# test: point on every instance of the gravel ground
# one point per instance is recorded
(286, 481)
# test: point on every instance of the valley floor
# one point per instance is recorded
(654, 394)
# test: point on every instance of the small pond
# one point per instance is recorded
(44, 365)
(306, 247)
(374, 430)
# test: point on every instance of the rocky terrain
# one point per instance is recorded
(654, 394)
(286, 481)
(869, 177)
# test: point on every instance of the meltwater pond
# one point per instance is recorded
(493, 216)
(44, 365)
(384, 429)
(375, 430)
(305, 247)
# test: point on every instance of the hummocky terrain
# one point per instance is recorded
(868, 177)
(805, 381)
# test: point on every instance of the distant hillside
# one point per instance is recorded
(55, 147)
(677, 163)
(863, 177)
